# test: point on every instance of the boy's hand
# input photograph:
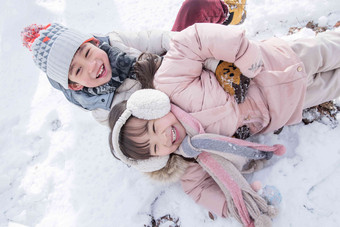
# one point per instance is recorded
(232, 80)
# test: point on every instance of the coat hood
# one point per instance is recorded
(172, 171)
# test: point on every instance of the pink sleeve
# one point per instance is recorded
(228, 43)
(198, 184)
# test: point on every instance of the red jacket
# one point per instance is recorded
(200, 11)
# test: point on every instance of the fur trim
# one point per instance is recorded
(172, 172)
(148, 104)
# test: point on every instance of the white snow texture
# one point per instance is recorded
(56, 168)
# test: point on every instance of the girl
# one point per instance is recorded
(147, 131)
(286, 77)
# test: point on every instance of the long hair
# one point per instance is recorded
(145, 69)
(128, 132)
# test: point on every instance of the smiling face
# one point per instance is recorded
(164, 135)
(90, 67)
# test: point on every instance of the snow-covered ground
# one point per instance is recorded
(56, 168)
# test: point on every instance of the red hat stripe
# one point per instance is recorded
(46, 39)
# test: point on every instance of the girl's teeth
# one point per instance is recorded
(173, 134)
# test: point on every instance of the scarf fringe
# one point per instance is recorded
(244, 204)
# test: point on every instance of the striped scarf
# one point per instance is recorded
(121, 65)
(224, 159)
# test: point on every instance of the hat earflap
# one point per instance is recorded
(147, 104)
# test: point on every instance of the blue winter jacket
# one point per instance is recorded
(85, 100)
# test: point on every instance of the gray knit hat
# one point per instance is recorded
(53, 48)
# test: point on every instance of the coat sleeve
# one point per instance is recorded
(134, 43)
(200, 186)
(228, 43)
(155, 41)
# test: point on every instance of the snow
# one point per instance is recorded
(56, 168)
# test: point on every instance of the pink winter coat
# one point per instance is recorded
(275, 96)
(276, 93)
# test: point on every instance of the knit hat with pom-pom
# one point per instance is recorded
(53, 48)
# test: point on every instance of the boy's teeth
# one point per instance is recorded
(101, 71)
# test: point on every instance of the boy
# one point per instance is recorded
(91, 71)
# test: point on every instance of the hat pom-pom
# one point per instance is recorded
(30, 33)
(263, 221)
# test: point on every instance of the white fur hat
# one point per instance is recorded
(144, 104)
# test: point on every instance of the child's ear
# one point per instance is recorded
(75, 86)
